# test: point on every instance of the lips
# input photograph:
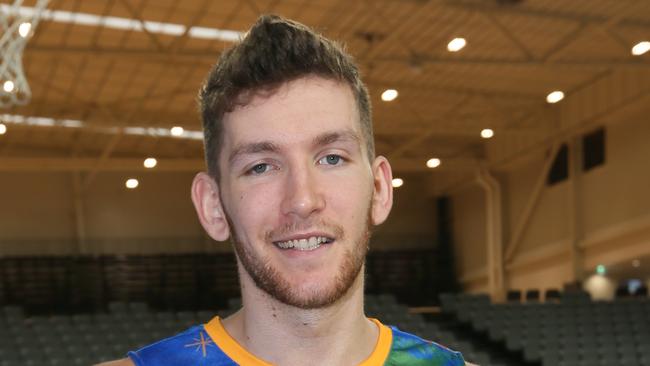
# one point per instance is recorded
(305, 243)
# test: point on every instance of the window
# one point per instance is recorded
(560, 168)
(593, 149)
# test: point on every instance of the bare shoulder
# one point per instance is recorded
(122, 362)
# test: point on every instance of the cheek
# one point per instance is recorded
(253, 208)
(352, 198)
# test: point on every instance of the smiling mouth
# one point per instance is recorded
(311, 243)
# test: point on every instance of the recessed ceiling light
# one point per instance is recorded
(456, 44)
(150, 163)
(487, 133)
(8, 86)
(177, 131)
(24, 29)
(3, 129)
(389, 95)
(398, 182)
(555, 96)
(132, 183)
(433, 163)
(636, 263)
(641, 48)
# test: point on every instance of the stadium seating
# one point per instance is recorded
(574, 332)
(84, 339)
(78, 284)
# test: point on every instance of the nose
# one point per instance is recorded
(302, 193)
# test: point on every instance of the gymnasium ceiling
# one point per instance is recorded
(101, 81)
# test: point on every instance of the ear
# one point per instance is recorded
(382, 196)
(207, 202)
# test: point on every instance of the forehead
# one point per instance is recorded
(295, 111)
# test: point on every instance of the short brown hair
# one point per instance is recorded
(273, 52)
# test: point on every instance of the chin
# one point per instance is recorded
(312, 299)
(314, 292)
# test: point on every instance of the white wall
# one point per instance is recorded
(619, 190)
(159, 207)
(36, 205)
(614, 216)
(38, 216)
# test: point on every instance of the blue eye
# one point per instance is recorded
(330, 159)
(259, 168)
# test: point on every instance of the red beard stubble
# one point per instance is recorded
(268, 279)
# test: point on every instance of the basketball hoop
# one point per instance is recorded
(16, 27)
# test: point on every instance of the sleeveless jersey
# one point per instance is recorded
(211, 345)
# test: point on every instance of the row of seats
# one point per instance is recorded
(575, 331)
(85, 339)
(180, 281)
(533, 295)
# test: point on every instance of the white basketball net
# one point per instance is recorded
(15, 29)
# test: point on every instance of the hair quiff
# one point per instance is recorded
(274, 51)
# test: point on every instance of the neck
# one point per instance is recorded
(285, 335)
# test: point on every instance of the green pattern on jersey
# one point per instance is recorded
(410, 350)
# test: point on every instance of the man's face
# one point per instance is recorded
(297, 187)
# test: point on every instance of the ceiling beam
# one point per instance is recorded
(414, 142)
(448, 130)
(137, 15)
(509, 35)
(181, 58)
(98, 117)
(195, 58)
(525, 62)
(414, 165)
(67, 164)
(452, 89)
(493, 7)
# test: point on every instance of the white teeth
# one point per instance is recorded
(303, 244)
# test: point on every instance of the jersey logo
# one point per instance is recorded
(201, 344)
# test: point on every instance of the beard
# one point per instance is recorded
(268, 279)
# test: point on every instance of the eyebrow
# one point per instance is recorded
(332, 137)
(267, 146)
(252, 148)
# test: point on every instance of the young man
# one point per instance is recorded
(294, 183)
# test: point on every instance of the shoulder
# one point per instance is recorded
(166, 351)
(122, 362)
(409, 349)
(193, 346)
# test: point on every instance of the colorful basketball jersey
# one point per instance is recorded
(211, 345)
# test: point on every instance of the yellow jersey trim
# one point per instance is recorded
(229, 345)
(382, 348)
(241, 356)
